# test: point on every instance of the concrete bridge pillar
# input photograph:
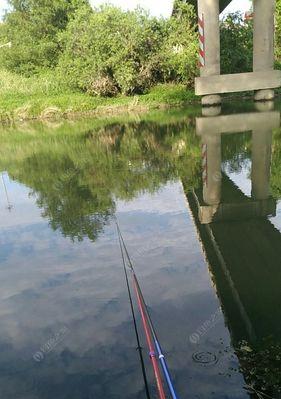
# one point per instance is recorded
(208, 14)
(262, 80)
(261, 161)
(264, 42)
(211, 155)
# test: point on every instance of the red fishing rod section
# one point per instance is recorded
(145, 322)
(149, 342)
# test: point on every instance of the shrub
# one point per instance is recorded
(131, 50)
(114, 44)
(179, 54)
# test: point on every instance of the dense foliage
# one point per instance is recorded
(109, 51)
(102, 51)
(236, 44)
(278, 33)
(33, 28)
(106, 51)
(180, 46)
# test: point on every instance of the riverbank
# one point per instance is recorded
(43, 98)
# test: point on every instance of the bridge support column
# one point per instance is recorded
(261, 160)
(208, 14)
(264, 42)
(211, 155)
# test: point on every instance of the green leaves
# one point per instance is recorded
(236, 44)
(106, 51)
(129, 50)
(278, 33)
(111, 45)
(33, 27)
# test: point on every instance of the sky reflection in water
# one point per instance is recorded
(67, 298)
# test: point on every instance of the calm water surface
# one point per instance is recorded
(198, 201)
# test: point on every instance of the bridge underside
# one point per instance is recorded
(223, 3)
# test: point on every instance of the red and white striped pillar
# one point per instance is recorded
(209, 43)
(201, 30)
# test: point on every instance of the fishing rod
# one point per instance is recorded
(145, 324)
(156, 341)
(161, 356)
(139, 348)
(150, 346)
(9, 207)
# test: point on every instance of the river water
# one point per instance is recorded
(198, 202)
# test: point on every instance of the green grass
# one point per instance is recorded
(43, 97)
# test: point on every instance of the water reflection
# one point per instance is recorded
(51, 284)
(65, 326)
(76, 182)
(243, 247)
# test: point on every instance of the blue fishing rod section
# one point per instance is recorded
(159, 351)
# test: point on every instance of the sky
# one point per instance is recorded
(156, 7)
(164, 8)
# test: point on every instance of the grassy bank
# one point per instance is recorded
(43, 97)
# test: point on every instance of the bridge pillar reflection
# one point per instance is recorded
(211, 153)
(261, 161)
(229, 203)
(241, 243)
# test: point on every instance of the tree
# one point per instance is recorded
(110, 51)
(179, 52)
(33, 27)
(114, 47)
(236, 44)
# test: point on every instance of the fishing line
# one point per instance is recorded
(156, 341)
(139, 348)
(152, 354)
(161, 356)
